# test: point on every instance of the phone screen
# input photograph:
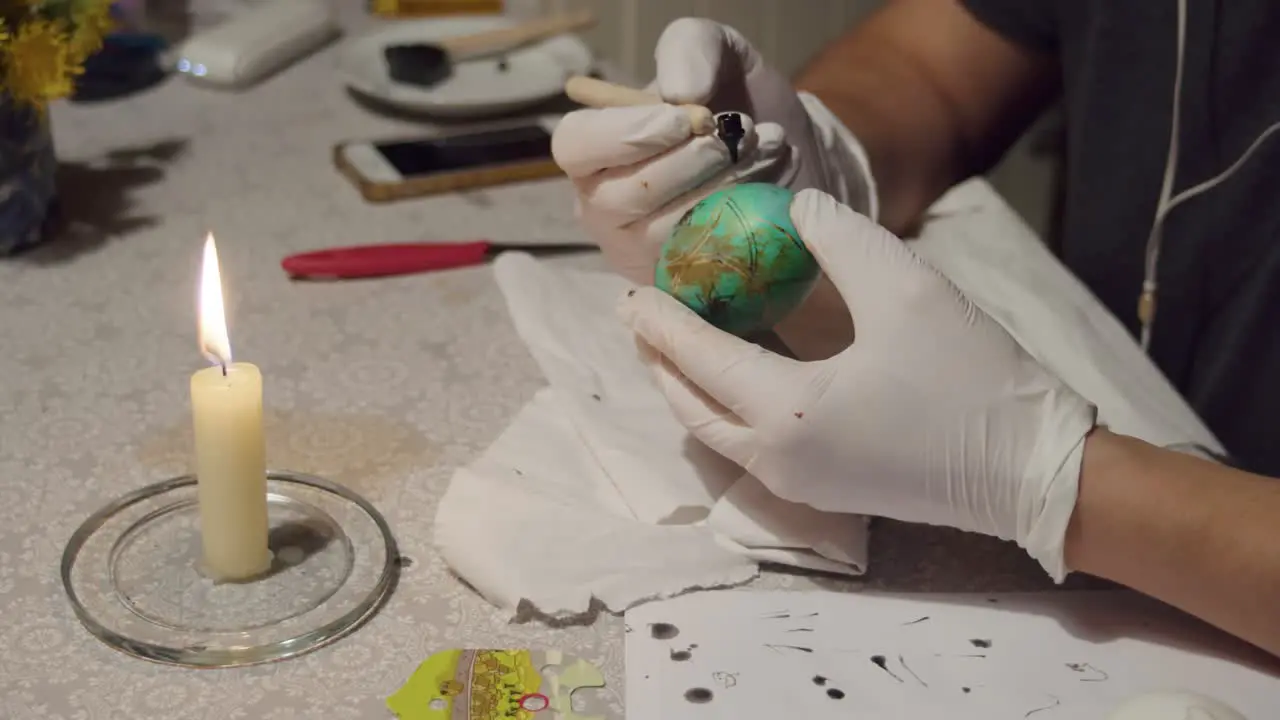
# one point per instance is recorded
(472, 150)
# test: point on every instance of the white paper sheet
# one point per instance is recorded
(541, 523)
(633, 509)
(1047, 656)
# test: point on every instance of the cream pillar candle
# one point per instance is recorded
(231, 469)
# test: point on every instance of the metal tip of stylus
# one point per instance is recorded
(729, 130)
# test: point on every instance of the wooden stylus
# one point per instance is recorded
(492, 42)
(602, 94)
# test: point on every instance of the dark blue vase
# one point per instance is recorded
(27, 168)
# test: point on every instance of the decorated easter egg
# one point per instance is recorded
(736, 259)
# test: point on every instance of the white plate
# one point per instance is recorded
(534, 74)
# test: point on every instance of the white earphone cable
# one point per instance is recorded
(1147, 300)
(1168, 201)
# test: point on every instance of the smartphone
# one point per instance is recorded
(477, 157)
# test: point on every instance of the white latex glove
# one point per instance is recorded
(637, 170)
(934, 414)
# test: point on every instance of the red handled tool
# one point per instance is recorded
(365, 261)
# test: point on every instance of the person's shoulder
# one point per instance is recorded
(1030, 23)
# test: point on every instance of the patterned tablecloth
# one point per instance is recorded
(385, 385)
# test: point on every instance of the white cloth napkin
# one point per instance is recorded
(984, 247)
(596, 491)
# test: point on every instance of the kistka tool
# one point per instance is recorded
(593, 92)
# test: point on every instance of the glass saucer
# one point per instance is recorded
(132, 574)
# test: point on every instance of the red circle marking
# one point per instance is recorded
(534, 702)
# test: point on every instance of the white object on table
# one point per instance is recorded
(1174, 706)
(479, 88)
(257, 41)
(1059, 656)
(231, 466)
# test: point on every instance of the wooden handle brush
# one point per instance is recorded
(602, 94)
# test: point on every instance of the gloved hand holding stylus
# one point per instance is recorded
(934, 414)
(637, 169)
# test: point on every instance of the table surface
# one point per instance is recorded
(386, 386)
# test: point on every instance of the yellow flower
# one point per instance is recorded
(35, 63)
(91, 26)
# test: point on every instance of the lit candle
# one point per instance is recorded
(231, 466)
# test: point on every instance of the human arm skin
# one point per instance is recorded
(1199, 536)
(933, 95)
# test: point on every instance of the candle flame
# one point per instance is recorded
(214, 342)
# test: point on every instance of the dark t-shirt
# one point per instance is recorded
(1216, 334)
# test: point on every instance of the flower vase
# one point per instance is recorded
(27, 169)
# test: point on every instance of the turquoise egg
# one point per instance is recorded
(736, 259)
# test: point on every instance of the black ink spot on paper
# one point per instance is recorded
(819, 680)
(518, 472)
(799, 414)
(789, 647)
(698, 696)
(907, 667)
(1095, 675)
(980, 643)
(681, 655)
(726, 680)
(883, 664)
(835, 694)
(966, 690)
(663, 631)
(917, 620)
(1033, 711)
(503, 66)
(631, 292)
(595, 396)
(800, 630)
(778, 616)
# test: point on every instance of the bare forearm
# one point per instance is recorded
(1199, 536)
(932, 96)
(906, 130)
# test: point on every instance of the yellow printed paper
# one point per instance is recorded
(495, 685)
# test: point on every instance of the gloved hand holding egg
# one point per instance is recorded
(980, 437)
(639, 169)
